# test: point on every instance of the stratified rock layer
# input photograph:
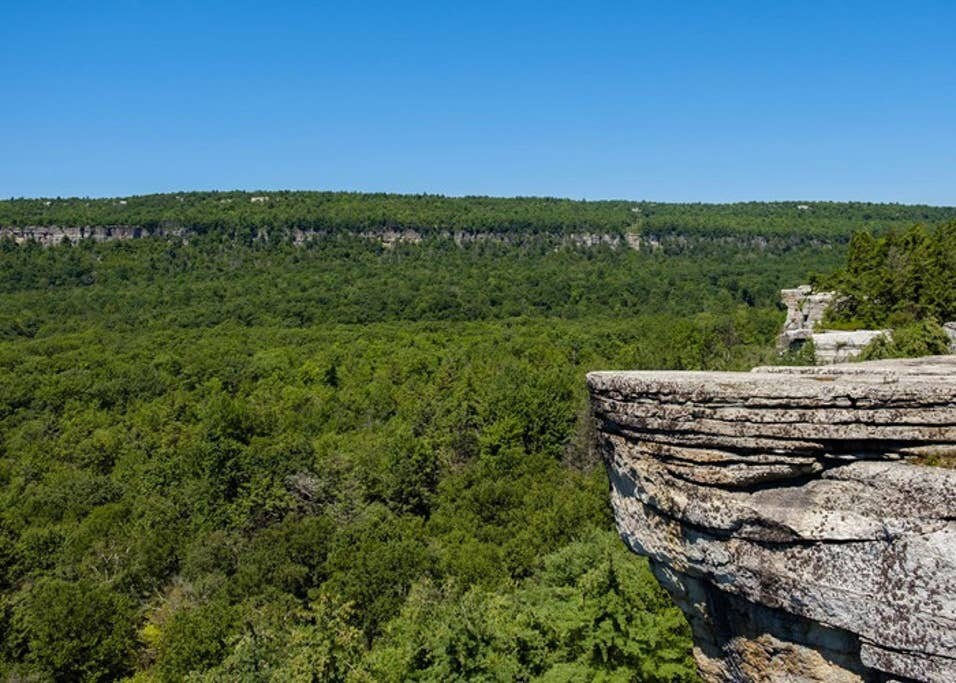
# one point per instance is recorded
(805, 310)
(783, 513)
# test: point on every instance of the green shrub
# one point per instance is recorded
(897, 279)
(924, 338)
(592, 612)
(79, 631)
(194, 639)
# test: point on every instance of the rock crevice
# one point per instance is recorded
(784, 512)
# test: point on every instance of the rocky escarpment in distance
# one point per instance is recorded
(782, 511)
(51, 235)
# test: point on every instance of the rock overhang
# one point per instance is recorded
(785, 496)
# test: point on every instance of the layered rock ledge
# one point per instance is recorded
(784, 512)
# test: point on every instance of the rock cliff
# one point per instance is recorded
(50, 235)
(805, 310)
(783, 511)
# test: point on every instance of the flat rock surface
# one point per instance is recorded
(783, 511)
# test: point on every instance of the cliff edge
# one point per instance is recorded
(783, 511)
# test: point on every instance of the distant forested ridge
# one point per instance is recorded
(250, 213)
(209, 281)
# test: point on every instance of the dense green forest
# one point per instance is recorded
(246, 213)
(233, 460)
(904, 280)
(350, 280)
(897, 278)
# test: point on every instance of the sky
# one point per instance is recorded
(664, 101)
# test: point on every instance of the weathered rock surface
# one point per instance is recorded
(805, 311)
(950, 330)
(52, 235)
(781, 510)
(49, 235)
(838, 346)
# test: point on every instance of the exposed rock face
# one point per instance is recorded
(837, 346)
(49, 235)
(780, 510)
(950, 330)
(53, 234)
(805, 310)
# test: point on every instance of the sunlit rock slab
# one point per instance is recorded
(782, 510)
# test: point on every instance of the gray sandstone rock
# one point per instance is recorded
(837, 346)
(950, 330)
(781, 510)
(805, 311)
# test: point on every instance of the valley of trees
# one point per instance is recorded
(237, 460)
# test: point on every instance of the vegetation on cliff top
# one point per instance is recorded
(903, 279)
(245, 213)
(900, 276)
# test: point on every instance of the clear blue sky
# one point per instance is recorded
(670, 101)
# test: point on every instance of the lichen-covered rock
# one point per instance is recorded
(781, 510)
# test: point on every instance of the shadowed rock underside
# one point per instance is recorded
(783, 511)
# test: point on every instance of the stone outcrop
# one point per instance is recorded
(805, 311)
(669, 241)
(784, 512)
(838, 346)
(50, 235)
(950, 330)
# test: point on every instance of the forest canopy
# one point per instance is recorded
(227, 459)
(899, 277)
(245, 213)
(904, 280)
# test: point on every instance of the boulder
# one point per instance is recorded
(837, 346)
